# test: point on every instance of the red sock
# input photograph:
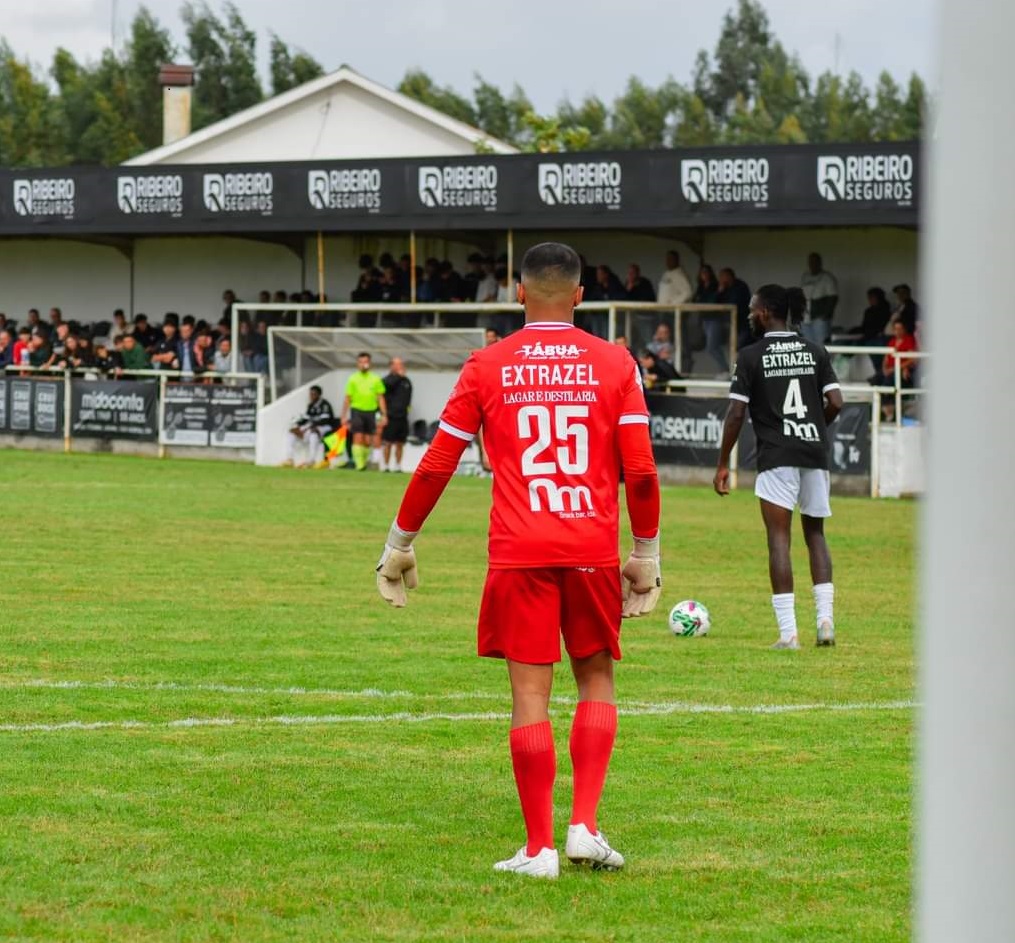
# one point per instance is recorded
(592, 736)
(535, 761)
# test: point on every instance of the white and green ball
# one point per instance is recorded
(689, 618)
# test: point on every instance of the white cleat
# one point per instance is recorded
(787, 644)
(826, 634)
(584, 847)
(544, 865)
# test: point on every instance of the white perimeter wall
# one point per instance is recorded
(188, 275)
(430, 391)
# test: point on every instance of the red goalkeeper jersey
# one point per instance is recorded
(550, 399)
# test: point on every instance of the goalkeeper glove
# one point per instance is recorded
(396, 569)
(642, 578)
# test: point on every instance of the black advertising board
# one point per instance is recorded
(31, 407)
(769, 185)
(233, 416)
(202, 414)
(685, 430)
(114, 409)
(187, 414)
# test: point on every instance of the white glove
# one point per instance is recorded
(642, 578)
(396, 569)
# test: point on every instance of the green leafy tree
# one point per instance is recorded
(419, 86)
(914, 109)
(224, 56)
(31, 128)
(502, 116)
(743, 47)
(589, 120)
(289, 70)
(888, 117)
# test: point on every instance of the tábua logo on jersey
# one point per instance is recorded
(725, 180)
(239, 192)
(156, 194)
(541, 351)
(866, 177)
(358, 189)
(589, 183)
(470, 186)
(44, 196)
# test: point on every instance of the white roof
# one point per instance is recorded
(337, 116)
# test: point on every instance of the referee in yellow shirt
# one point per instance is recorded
(364, 397)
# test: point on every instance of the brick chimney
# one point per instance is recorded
(177, 83)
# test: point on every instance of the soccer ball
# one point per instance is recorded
(689, 618)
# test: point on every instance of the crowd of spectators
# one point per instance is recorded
(196, 347)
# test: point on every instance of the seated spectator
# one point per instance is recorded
(491, 337)
(661, 344)
(222, 362)
(610, 288)
(204, 352)
(621, 341)
(84, 355)
(317, 421)
(133, 354)
(426, 285)
(228, 299)
(22, 347)
(33, 322)
(473, 276)
(39, 353)
(902, 340)
(59, 343)
(638, 287)
(109, 361)
(119, 326)
(5, 325)
(259, 348)
(55, 319)
(734, 291)
(280, 297)
(449, 283)
(390, 290)
(487, 287)
(656, 370)
(871, 330)
(367, 289)
(405, 275)
(6, 349)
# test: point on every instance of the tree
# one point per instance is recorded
(224, 57)
(887, 123)
(289, 70)
(149, 48)
(418, 85)
(914, 109)
(742, 48)
(31, 131)
(501, 116)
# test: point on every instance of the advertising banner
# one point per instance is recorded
(685, 430)
(31, 407)
(3, 405)
(187, 414)
(233, 416)
(114, 409)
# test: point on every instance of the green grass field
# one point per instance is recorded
(212, 729)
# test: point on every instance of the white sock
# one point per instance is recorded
(290, 446)
(824, 593)
(375, 457)
(785, 614)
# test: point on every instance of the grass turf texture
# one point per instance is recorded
(737, 827)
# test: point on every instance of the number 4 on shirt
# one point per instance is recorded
(793, 404)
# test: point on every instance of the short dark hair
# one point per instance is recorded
(551, 261)
(775, 300)
(363, 353)
(316, 389)
(726, 268)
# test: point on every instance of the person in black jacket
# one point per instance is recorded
(317, 421)
(398, 396)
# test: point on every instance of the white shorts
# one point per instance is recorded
(787, 487)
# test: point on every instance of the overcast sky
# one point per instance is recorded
(553, 48)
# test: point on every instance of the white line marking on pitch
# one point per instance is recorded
(284, 720)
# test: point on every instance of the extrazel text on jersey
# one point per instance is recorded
(545, 374)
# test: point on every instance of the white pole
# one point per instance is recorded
(271, 364)
(234, 339)
(966, 836)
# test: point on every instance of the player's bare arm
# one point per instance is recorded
(833, 405)
(734, 422)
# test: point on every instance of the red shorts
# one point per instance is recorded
(524, 613)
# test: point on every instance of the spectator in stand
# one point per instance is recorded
(366, 289)
(204, 352)
(486, 288)
(609, 288)
(39, 352)
(472, 277)
(119, 326)
(491, 336)
(259, 347)
(427, 285)
(166, 355)
(246, 347)
(145, 335)
(58, 346)
(621, 341)
(674, 285)
(715, 326)
(133, 354)
(22, 347)
(398, 396)
(821, 290)
(109, 361)
(389, 288)
(661, 345)
(871, 330)
(405, 276)
(5, 325)
(33, 321)
(85, 353)
(280, 297)
(228, 299)
(6, 350)
(222, 362)
(656, 370)
(55, 319)
(907, 311)
(901, 341)
(734, 291)
(449, 283)
(638, 287)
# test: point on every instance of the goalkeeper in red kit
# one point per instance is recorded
(561, 413)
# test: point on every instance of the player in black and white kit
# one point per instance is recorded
(788, 384)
